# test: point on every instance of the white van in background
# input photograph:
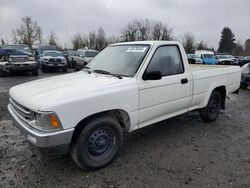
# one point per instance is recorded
(207, 56)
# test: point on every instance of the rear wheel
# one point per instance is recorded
(212, 110)
(98, 144)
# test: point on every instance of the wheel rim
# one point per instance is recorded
(100, 142)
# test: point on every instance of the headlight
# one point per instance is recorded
(45, 60)
(48, 121)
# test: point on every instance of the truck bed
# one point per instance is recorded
(207, 77)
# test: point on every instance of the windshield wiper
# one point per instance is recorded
(86, 68)
(108, 73)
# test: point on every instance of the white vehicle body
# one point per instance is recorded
(77, 96)
(202, 52)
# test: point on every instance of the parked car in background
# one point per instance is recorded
(69, 55)
(194, 59)
(15, 60)
(245, 75)
(6, 52)
(207, 56)
(242, 60)
(39, 52)
(224, 59)
(53, 60)
(84, 57)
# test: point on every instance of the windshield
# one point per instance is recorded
(22, 47)
(90, 54)
(121, 60)
(194, 56)
(52, 54)
(208, 56)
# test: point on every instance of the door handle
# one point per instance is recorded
(184, 81)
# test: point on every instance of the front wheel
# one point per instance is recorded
(212, 110)
(98, 144)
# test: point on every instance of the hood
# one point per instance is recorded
(43, 93)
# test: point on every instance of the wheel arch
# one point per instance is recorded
(222, 91)
(120, 115)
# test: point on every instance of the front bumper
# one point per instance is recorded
(55, 65)
(18, 68)
(49, 143)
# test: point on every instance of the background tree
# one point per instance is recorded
(238, 49)
(78, 41)
(188, 41)
(139, 30)
(101, 41)
(52, 39)
(161, 32)
(227, 41)
(202, 45)
(28, 32)
(247, 46)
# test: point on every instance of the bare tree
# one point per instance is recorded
(79, 41)
(188, 42)
(129, 33)
(28, 32)
(101, 41)
(238, 49)
(146, 30)
(202, 45)
(161, 32)
(52, 39)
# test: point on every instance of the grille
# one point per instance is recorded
(22, 112)
(55, 60)
(19, 59)
(227, 62)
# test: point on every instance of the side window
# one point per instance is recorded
(167, 60)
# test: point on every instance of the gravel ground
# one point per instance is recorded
(179, 152)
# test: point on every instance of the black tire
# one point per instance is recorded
(98, 144)
(243, 85)
(212, 110)
(35, 72)
(65, 69)
(43, 69)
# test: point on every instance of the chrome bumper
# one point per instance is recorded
(56, 142)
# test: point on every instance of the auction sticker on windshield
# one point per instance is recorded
(136, 49)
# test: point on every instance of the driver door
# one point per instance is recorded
(169, 96)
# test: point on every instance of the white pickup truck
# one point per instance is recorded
(125, 87)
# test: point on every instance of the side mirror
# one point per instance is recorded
(152, 75)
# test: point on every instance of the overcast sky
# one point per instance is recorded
(204, 18)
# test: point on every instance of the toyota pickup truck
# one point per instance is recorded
(125, 87)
